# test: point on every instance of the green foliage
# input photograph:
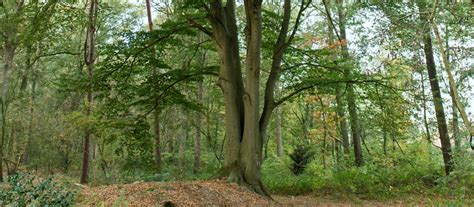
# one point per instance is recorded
(173, 169)
(28, 190)
(301, 156)
(372, 181)
(278, 178)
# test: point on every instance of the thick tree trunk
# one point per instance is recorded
(224, 31)
(245, 128)
(89, 57)
(436, 93)
(243, 145)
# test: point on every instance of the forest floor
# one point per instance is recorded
(221, 193)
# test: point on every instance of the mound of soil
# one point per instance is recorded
(183, 193)
(221, 193)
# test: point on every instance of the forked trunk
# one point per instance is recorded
(243, 144)
(245, 127)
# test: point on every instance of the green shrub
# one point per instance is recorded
(28, 190)
(301, 157)
(278, 178)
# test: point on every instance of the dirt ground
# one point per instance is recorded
(214, 193)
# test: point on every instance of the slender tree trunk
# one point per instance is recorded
(197, 149)
(278, 133)
(89, 57)
(341, 117)
(425, 114)
(182, 143)
(8, 55)
(171, 147)
(452, 84)
(29, 69)
(156, 126)
(384, 121)
(436, 93)
(325, 129)
(342, 120)
(156, 112)
(455, 125)
(198, 118)
(351, 101)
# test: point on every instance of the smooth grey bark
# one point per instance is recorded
(224, 33)
(244, 126)
(252, 141)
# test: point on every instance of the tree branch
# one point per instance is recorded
(310, 86)
(53, 54)
(200, 27)
(328, 14)
(303, 7)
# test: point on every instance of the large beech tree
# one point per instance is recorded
(245, 122)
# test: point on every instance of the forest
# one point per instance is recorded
(236, 102)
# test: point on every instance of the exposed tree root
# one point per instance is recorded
(233, 174)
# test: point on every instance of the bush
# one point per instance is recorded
(278, 178)
(301, 157)
(28, 190)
